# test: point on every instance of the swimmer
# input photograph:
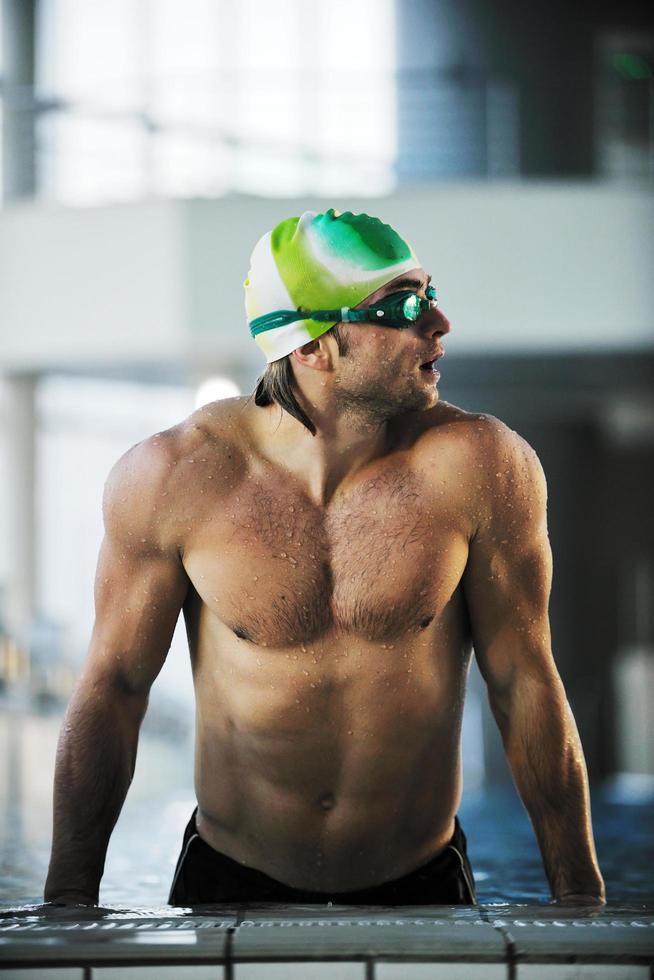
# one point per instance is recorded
(339, 543)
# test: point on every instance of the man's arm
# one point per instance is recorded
(139, 590)
(507, 585)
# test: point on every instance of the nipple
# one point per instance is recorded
(327, 801)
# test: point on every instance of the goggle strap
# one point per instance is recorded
(282, 318)
(354, 316)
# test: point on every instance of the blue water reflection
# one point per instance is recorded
(506, 860)
(146, 842)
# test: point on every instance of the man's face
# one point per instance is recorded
(381, 371)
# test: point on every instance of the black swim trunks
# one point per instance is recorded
(204, 876)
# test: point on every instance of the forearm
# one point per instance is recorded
(96, 755)
(546, 758)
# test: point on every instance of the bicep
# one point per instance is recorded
(138, 598)
(140, 583)
(507, 580)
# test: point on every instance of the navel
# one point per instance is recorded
(326, 801)
(424, 623)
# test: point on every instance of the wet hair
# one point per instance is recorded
(275, 386)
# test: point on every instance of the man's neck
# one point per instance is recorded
(341, 446)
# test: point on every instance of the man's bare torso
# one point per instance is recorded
(330, 645)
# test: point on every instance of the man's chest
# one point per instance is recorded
(381, 560)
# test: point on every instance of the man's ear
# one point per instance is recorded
(314, 354)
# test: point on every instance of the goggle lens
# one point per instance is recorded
(411, 307)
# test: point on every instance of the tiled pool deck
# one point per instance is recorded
(273, 942)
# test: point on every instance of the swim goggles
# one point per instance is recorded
(398, 310)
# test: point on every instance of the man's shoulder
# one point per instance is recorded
(150, 481)
(490, 467)
(450, 423)
(499, 454)
(209, 434)
(477, 438)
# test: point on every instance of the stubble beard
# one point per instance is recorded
(370, 405)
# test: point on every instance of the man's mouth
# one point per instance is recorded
(431, 366)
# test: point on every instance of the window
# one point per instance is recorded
(207, 97)
(625, 106)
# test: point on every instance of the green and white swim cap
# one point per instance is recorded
(319, 262)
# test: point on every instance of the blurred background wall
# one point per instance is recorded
(147, 145)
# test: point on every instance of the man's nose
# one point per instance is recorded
(434, 322)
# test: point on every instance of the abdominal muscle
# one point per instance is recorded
(332, 766)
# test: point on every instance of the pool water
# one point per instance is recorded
(506, 860)
(147, 839)
(501, 846)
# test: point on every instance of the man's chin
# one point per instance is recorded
(417, 401)
(425, 396)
